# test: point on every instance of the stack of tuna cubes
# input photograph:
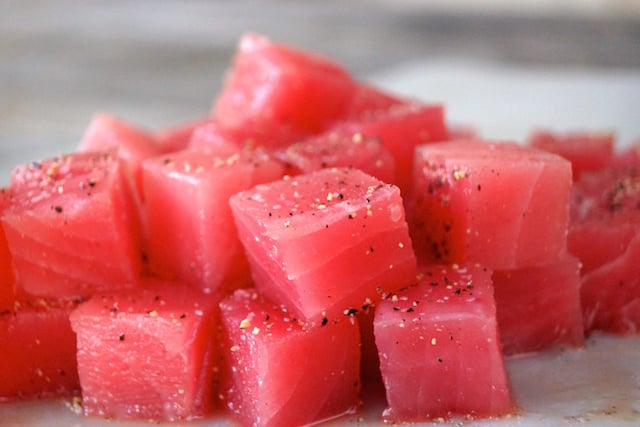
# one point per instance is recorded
(312, 232)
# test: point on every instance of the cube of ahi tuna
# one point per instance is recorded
(275, 136)
(270, 84)
(192, 237)
(498, 204)
(7, 288)
(369, 100)
(282, 372)
(610, 294)
(587, 151)
(524, 294)
(439, 348)
(106, 132)
(177, 137)
(147, 353)
(400, 128)
(71, 227)
(38, 357)
(335, 148)
(605, 235)
(327, 242)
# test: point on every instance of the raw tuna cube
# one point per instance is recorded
(401, 128)
(70, 227)
(585, 150)
(192, 237)
(439, 347)
(252, 135)
(604, 215)
(340, 149)
(38, 357)
(327, 242)
(369, 100)
(498, 204)
(629, 157)
(147, 353)
(539, 306)
(106, 132)
(596, 243)
(605, 235)
(177, 137)
(462, 131)
(271, 83)
(611, 293)
(282, 372)
(7, 289)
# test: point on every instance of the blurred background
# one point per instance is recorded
(503, 66)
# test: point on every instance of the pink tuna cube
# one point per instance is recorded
(587, 151)
(270, 83)
(7, 289)
(133, 145)
(282, 372)
(325, 243)
(439, 347)
(605, 235)
(38, 357)
(400, 128)
(192, 237)
(71, 227)
(498, 204)
(148, 353)
(336, 148)
(524, 294)
(611, 293)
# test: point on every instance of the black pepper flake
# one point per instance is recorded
(440, 360)
(121, 337)
(479, 187)
(457, 291)
(396, 308)
(57, 208)
(351, 312)
(409, 310)
(350, 216)
(183, 315)
(324, 321)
